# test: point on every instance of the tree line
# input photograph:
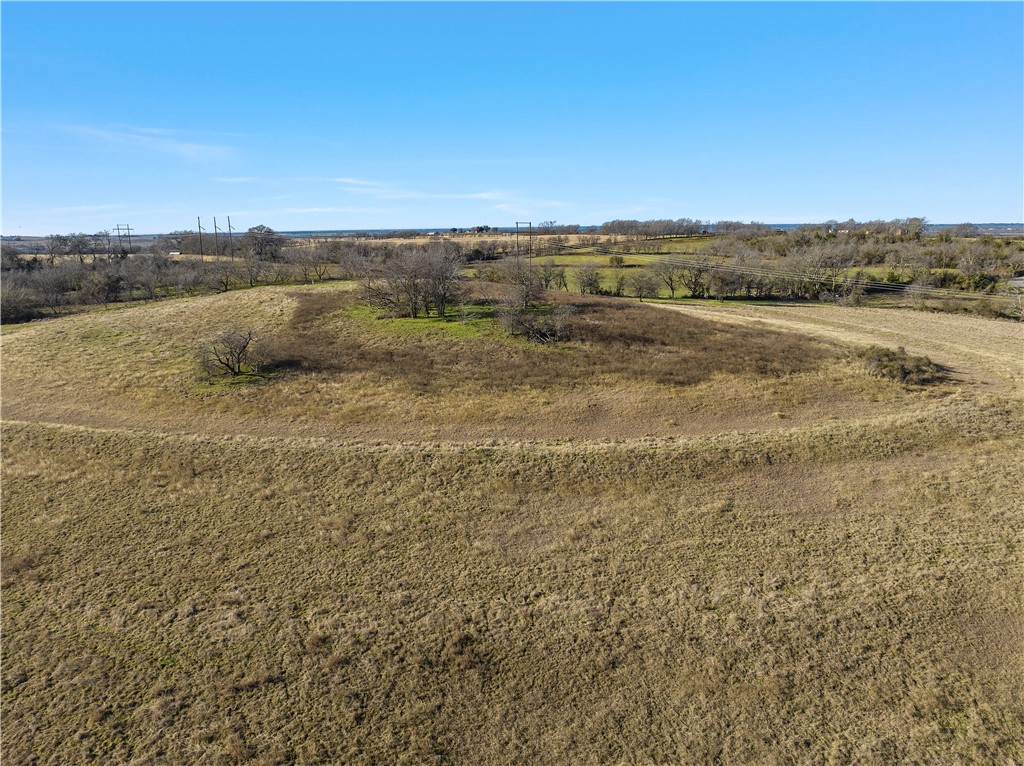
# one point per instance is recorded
(828, 260)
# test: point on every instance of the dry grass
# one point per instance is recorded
(629, 375)
(841, 586)
(816, 598)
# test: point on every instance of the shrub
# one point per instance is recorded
(538, 328)
(900, 366)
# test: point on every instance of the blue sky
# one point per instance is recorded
(389, 115)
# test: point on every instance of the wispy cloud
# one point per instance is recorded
(361, 183)
(240, 180)
(269, 213)
(159, 140)
(333, 210)
(503, 200)
(82, 209)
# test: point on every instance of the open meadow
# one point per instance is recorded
(690, 534)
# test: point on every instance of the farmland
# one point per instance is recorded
(691, 534)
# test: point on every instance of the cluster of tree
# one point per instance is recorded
(410, 280)
(37, 285)
(896, 230)
(81, 246)
(554, 227)
(260, 242)
(970, 264)
(32, 287)
(682, 227)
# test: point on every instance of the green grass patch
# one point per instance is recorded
(463, 322)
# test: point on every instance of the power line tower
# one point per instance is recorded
(216, 242)
(199, 221)
(127, 232)
(231, 243)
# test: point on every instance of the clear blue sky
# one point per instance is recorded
(344, 115)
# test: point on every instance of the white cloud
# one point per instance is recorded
(152, 140)
(240, 180)
(505, 200)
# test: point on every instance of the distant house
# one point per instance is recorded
(174, 252)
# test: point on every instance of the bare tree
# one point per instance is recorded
(262, 243)
(548, 328)
(302, 258)
(524, 280)
(965, 230)
(221, 276)
(694, 277)
(56, 247)
(102, 286)
(322, 262)
(643, 284)
(52, 285)
(588, 279)
(231, 352)
(550, 275)
(668, 274)
(442, 272)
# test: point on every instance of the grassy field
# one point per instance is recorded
(687, 536)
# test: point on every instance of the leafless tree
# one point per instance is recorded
(588, 279)
(694, 277)
(524, 280)
(643, 284)
(262, 243)
(668, 274)
(550, 274)
(56, 247)
(231, 352)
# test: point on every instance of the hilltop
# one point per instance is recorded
(671, 538)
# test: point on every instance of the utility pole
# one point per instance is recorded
(128, 233)
(216, 249)
(525, 223)
(200, 222)
(231, 244)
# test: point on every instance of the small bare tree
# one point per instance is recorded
(588, 279)
(643, 284)
(525, 282)
(551, 275)
(231, 352)
(670, 275)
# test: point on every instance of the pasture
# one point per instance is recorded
(688, 535)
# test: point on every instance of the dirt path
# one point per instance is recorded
(988, 351)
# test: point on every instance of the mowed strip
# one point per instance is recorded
(986, 350)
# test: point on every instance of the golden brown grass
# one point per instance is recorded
(838, 587)
(626, 376)
(815, 598)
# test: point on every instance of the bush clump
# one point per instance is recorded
(550, 328)
(898, 365)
